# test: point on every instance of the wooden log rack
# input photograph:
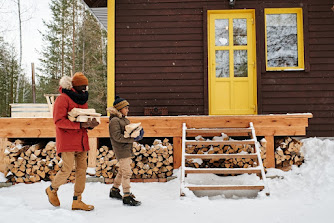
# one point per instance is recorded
(163, 126)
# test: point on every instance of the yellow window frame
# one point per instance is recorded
(300, 36)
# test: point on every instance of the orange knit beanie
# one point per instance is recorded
(79, 79)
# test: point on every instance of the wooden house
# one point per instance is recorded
(222, 57)
(212, 64)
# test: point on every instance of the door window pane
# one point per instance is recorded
(282, 48)
(240, 32)
(240, 63)
(221, 32)
(222, 63)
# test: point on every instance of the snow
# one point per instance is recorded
(263, 140)
(199, 161)
(2, 178)
(304, 194)
(91, 170)
(198, 138)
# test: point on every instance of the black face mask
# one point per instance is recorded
(79, 98)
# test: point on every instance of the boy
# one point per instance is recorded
(123, 150)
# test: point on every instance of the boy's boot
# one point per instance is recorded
(52, 195)
(79, 205)
(129, 199)
(115, 193)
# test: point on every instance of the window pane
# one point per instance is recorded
(221, 32)
(240, 63)
(222, 63)
(240, 32)
(282, 40)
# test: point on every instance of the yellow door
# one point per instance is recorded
(232, 65)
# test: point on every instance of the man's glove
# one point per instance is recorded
(90, 124)
(141, 135)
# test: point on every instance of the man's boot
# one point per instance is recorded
(52, 195)
(79, 205)
(115, 193)
(129, 199)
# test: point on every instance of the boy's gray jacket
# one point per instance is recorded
(120, 145)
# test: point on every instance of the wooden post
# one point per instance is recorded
(3, 144)
(93, 143)
(177, 151)
(270, 148)
(33, 83)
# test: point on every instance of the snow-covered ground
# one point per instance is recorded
(304, 194)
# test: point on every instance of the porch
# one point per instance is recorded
(267, 126)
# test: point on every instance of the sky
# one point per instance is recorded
(33, 12)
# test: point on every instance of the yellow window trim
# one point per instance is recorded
(300, 36)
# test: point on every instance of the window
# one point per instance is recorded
(284, 39)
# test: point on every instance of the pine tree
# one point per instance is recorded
(9, 73)
(57, 51)
(87, 40)
(91, 59)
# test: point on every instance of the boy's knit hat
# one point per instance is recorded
(120, 103)
(79, 79)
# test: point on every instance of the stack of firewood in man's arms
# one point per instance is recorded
(83, 115)
(154, 161)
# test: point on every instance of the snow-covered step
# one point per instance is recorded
(206, 132)
(221, 156)
(225, 187)
(217, 131)
(256, 170)
(221, 142)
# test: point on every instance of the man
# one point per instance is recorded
(71, 139)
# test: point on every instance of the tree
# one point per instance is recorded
(9, 76)
(91, 59)
(57, 49)
(74, 42)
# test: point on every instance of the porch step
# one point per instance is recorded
(218, 131)
(221, 156)
(220, 142)
(206, 132)
(225, 187)
(223, 170)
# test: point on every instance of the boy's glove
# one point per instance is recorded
(141, 135)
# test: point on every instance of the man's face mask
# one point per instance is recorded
(81, 89)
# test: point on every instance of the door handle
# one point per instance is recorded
(254, 107)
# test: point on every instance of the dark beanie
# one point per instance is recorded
(120, 103)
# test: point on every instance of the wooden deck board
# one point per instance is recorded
(169, 126)
(166, 126)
